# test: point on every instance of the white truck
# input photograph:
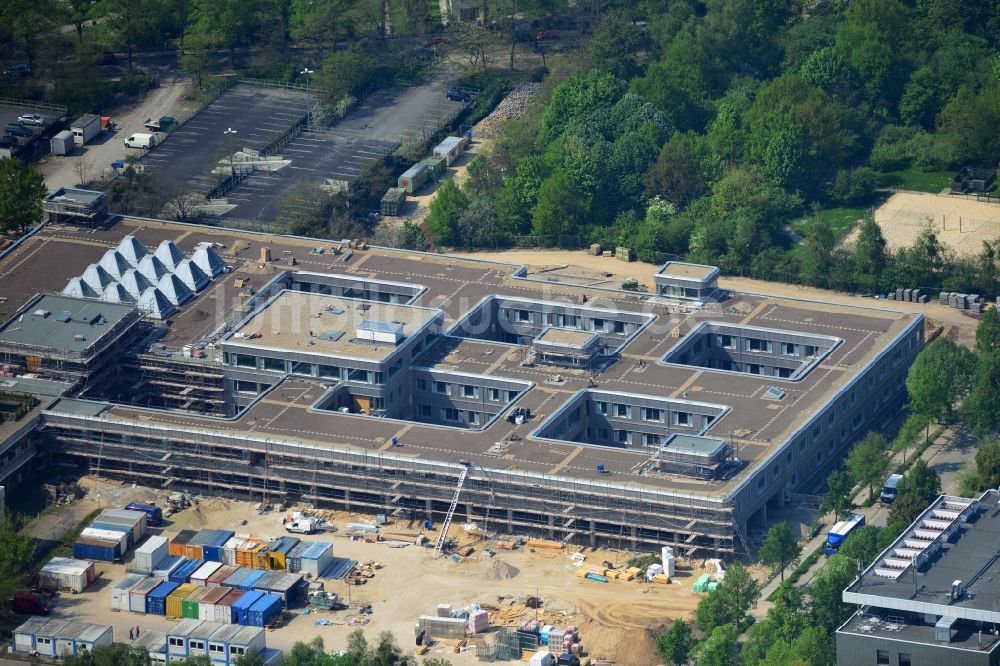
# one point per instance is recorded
(140, 141)
(85, 128)
(303, 526)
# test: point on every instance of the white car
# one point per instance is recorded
(32, 119)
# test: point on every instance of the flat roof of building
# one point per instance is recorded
(566, 337)
(680, 269)
(76, 195)
(327, 325)
(63, 323)
(970, 556)
(455, 285)
(694, 445)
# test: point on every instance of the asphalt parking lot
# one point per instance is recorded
(185, 158)
(369, 132)
(10, 114)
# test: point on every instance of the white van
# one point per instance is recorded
(141, 141)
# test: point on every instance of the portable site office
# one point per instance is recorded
(137, 595)
(156, 600)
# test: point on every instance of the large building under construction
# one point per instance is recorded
(291, 370)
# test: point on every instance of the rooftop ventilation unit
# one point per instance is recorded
(773, 393)
(41, 313)
(64, 317)
(380, 331)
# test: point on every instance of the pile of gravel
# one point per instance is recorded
(497, 570)
(512, 106)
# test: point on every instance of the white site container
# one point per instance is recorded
(149, 555)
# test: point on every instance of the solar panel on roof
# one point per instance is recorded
(380, 326)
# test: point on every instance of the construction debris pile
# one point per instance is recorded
(513, 106)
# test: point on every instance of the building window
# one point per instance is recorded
(426, 411)
(524, 315)
(652, 439)
(48, 641)
(197, 645)
(598, 324)
(619, 327)
(442, 387)
(470, 391)
(754, 369)
(274, 364)
(511, 395)
(358, 375)
(682, 418)
(622, 436)
(602, 433)
(726, 342)
(784, 373)
(329, 371)
(217, 647)
(652, 414)
(623, 411)
(602, 408)
(905, 659)
(494, 394)
(450, 414)
(473, 418)
(810, 351)
(788, 348)
(174, 641)
(244, 360)
(237, 650)
(241, 386)
(881, 656)
(421, 384)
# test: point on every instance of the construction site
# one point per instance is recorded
(419, 386)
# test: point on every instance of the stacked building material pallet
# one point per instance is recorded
(443, 627)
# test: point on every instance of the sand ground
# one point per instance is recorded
(960, 222)
(618, 620)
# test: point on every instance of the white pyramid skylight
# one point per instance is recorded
(135, 283)
(171, 286)
(191, 275)
(154, 304)
(115, 264)
(207, 260)
(152, 268)
(169, 254)
(79, 289)
(97, 277)
(132, 249)
(116, 293)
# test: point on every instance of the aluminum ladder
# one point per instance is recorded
(451, 513)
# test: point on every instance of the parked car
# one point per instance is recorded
(546, 35)
(457, 94)
(7, 141)
(29, 603)
(31, 119)
(20, 69)
(17, 129)
(436, 41)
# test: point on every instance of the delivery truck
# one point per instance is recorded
(137, 140)
(85, 129)
(838, 533)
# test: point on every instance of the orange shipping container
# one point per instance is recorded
(245, 557)
(193, 553)
(180, 542)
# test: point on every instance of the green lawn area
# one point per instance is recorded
(918, 179)
(841, 221)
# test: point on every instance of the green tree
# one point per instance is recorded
(615, 45)
(252, 658)
(721, 648)
(21, 192)
(195, 58)
(981, 408)
(786, 619)
(839, 490)
(446, 209)
(939, 378)
(577, 98)
(674, 647)
(828, 608)
(344, 73)
(871, 255)
(918, 488)
(818, 259)
(861, 544)
(675, 174)
(912, 428)
(867, 461)
(17, 553)
(988, 332)
(732, 600)
(561, 205)
(780, 548)
(983, 472)
(117, 654)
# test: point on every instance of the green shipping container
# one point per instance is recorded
(393, 201)
(189, 607)
(414, 178)
(435, 165)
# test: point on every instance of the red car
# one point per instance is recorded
(436, 41)
(546, 35)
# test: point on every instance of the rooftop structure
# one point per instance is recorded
(376, 379)
(76, 206)
(933, 593)
(688, 281)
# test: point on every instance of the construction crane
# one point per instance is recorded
(443, 537)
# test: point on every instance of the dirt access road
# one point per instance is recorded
(958, 325)
(93, 162)
(618, 620)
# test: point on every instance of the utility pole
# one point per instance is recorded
(229, 137)
(307, 72)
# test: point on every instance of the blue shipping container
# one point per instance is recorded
(262, 612)
(241, 607)
(156, 601)
(212, 553)
(154, 513)
(236, 578)
(89, 549)
(182, 573)
(248, 583)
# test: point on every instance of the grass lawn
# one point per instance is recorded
(918, 179)
(841, 221)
